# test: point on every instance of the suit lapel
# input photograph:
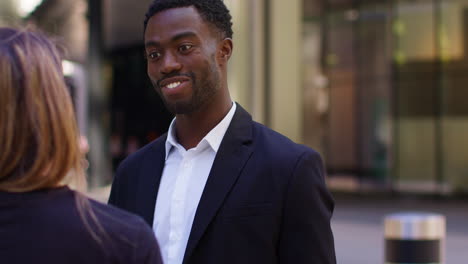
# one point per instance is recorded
(234, 152)
(150, 175)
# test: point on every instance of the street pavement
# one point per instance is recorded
(358, 225)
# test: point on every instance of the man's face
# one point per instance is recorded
(181, 50)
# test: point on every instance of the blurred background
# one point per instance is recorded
(377, 87)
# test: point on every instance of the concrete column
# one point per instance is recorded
(238, 67)
(246, 75)
(257, 59)
(98, 129)
(285, 70)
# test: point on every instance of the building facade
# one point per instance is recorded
(377, 87)
(391, 75)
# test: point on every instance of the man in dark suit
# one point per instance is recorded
(218, 187)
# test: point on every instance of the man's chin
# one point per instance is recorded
(180, 108)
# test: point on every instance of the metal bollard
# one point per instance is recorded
(414, 238)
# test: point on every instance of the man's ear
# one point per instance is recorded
(224, 51)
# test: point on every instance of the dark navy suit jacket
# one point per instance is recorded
(265, 200)
(45, 226)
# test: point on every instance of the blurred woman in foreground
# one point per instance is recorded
(42, 220)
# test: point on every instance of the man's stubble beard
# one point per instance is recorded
(202, 93)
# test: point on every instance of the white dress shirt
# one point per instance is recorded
(182, 182)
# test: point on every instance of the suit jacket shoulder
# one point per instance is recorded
(62, 232)
(278, 148)
(127, 233)
(148, 151)
(137, 179)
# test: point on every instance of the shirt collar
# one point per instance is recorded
(214, 137)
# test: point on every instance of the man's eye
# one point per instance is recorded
(154, 55)
(185, 47)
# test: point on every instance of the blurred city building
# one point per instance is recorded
(376, 86)
(392, 77)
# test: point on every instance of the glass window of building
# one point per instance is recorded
(383, 91)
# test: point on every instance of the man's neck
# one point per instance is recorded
(192, 128)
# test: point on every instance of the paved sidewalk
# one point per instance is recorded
(358, 226)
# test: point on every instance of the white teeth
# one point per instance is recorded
(173, 85)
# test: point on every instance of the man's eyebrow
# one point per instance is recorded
(182, 35)
(177, 37)
(152, 44)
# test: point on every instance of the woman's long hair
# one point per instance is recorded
(39, 139)
(38, 131)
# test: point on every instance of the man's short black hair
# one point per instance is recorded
(212, 11)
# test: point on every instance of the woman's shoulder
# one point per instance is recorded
(123, 232)
(78, 230)
(119, 218)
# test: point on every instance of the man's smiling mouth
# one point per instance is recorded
(173, 85)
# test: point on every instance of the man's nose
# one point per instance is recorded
(170, 63)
